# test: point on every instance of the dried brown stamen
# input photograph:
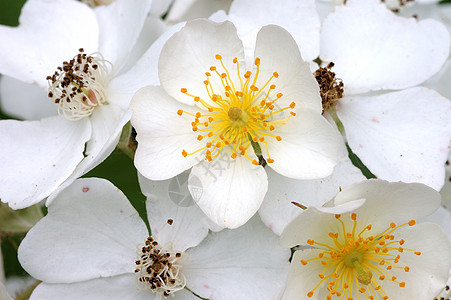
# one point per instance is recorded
(331, 88)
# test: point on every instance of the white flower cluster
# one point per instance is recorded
(242, 119)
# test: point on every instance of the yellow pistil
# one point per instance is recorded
(356, 263)
(239, 114)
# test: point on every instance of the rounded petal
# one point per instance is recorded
(229, 191)
(277, 210)
(162, 134)
(195, 47)
(170, 200)
(121, 287)
(303, 279)
(143, 73)
(92, 220)
(386, 202)
(373, 48)
(308, 149)
(41, 42)
(400, 136)
(23, 100)
(298, 17)
(319, 224)
(429, 271)
(38, 156)
(245, 263)
(106, 122)
(279, 53)
(120, 24)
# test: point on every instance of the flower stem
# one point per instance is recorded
(27, 293)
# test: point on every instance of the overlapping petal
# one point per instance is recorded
(52, 42)
(245, 263)
(103, 232)
(400, 136)
(195, 48)
(229, 191)
(374, 49)
(157, 123)
(35, 159)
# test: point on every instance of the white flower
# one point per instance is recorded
(93, 91)
(399, 135)
(100, 249)
(366, 243)
(209, 108)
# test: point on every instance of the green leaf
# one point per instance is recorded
(18, 221)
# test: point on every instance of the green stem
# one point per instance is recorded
(27, 293)
(126, 141)
(2, 269)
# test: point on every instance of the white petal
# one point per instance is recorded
(386, 202)
(429, 271)
(93, 232)
(23, 100)
(120, 24)
(229, 191)
(41, 42)
(171, 200)
(298, 17)
(279, 53)
(195, 47)
(319, 225)
(373, 49)
(37, 156)
(106, 122)
(162, 134)
(113, 288)
(244, 263)
(144, 72)
(152, 29)
(308, 149)
(190, 10)
(277, 210)
(303, 279)
(401, 135)
(160, 7)
(3, 293)
(442, 217)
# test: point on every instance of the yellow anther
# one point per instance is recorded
(183, 90)
(217, 56)
(180, 112)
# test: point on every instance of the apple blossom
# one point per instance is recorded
(208, 107)
(91, 92)
(101, 250)
(366, 243)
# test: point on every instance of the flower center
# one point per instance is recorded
(158, 269)
(356, 263)
(80, 85)
(239, 115)
(331, 88)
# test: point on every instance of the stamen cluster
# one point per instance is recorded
(241, 115)
(356, 263)
(331, 88)
(158, 269)
(80, 85)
